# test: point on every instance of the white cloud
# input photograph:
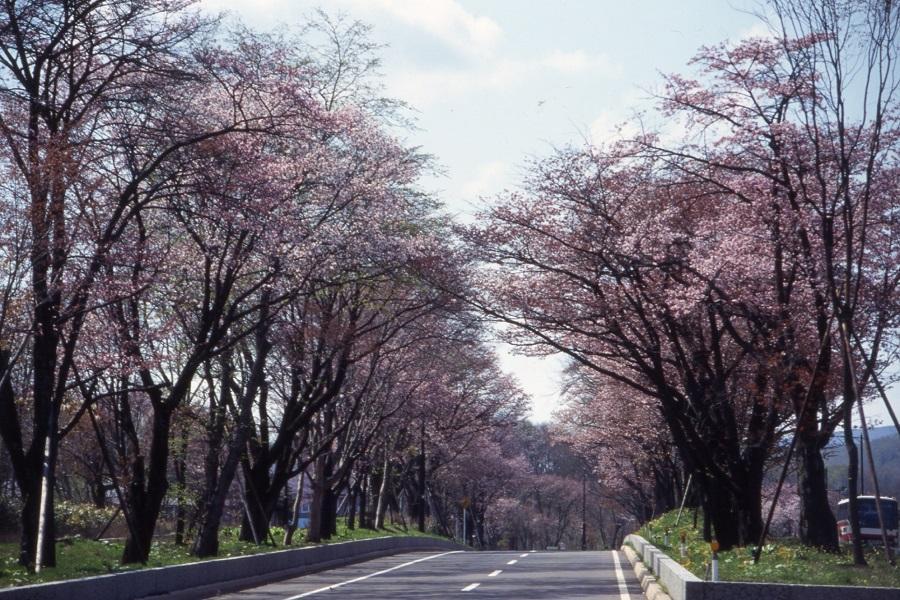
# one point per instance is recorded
(540, 376)
(579, 61)
(446, 20)
(609, 127)
(489, 178)
(252, 10)
(757, 30)
(421, 86)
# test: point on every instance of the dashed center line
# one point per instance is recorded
(523, 555)
(470, 587)
(495, 573)
(512, 562)
(382, 572)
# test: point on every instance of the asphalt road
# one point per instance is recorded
(433, 575)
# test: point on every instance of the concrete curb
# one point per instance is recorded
(681, 584)
(651, 587)
(209, 577)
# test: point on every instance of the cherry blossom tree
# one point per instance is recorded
(598, 257)
(802, 127)
(622, 437)
(94, 107)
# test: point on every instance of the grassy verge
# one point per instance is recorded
(782, 561)
(81, 558)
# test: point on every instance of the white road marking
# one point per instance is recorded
(470, 587)
(623, 587)
(495, 573)
(349, 581)
(532, 551)
(523, 555)
(512, 562)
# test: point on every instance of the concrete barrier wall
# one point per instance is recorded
(224, 573)
(678, 581)
(684, 585)
(727, 590)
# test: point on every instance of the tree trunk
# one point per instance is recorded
(136, 499)
(180, 467)
(31, 497)
(435, 507)
(295, 511)
(260, 497)
(351, 500)
(664, 491)
(859, 557)
(25, 467)
(818, 527)
(314, 533)
(736, 517)
(421, 504)
(45, 420)
(329, 513)
(364, 522)
(215, 434)
(383, 493)
(145, 499)
(207, 540)
(46, 534)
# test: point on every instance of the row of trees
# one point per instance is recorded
(719, 288)
(218, 276)
(531, 488)
(223, 297)
(220, 284)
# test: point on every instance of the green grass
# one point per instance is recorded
(782, 561)
(81, 558)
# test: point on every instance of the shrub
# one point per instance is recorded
(74, 518)
(9, 513)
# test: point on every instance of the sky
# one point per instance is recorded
(494, 83)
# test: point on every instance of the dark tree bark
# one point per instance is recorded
(147, 490)
(364, 521)
(180, 468)
(818, 526)
(317, 506)
(291, 527)
(353, 504)
(859, 556)
(207, 541)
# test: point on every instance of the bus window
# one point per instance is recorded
(843, 512)
(868, 513)
(889, 511)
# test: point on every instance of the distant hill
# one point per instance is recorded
(886, 453)
(876, 433)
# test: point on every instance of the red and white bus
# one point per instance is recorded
(870, 530)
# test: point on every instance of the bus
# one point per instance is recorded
(870, 530)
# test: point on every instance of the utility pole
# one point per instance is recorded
(465, 539)
(422, 477)
(584, 512)
(465, 503)
(862, 464)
